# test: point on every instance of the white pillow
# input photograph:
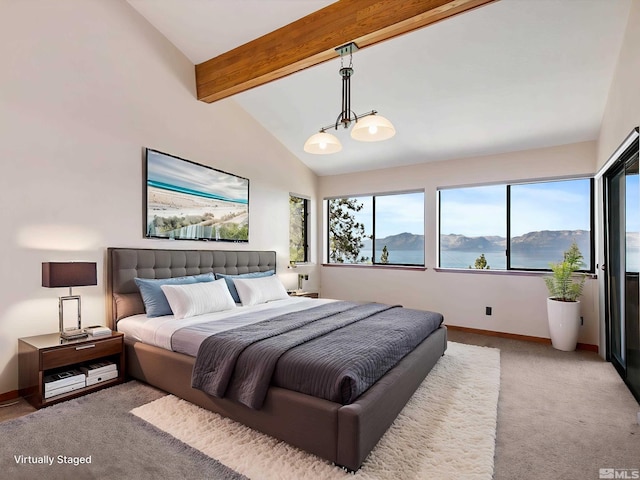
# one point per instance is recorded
(253, 291)
(198, 298)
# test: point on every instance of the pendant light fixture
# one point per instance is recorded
(368, 127)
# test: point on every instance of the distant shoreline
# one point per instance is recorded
(168, 203)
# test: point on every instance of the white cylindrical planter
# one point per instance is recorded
(564, 324)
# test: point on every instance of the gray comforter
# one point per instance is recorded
(335, 351)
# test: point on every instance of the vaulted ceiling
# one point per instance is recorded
(507, 76)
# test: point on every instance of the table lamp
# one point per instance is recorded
(69, 274)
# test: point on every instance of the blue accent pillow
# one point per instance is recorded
(232, 286)
(155, 303)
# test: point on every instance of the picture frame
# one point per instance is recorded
(184, 200)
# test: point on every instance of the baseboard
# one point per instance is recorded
(515, 336)
(12, 395)
(586, 346)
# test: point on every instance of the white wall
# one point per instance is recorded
(85, 85)
(621, 115)
(622, 112)
(519, 302)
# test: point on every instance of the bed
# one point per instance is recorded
(341, 433)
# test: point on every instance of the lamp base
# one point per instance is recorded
(73, 334)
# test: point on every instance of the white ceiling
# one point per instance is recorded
(512, 75)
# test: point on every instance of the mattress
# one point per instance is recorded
(160, 331)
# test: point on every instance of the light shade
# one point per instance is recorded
(372, 128)
(322, 143)
(68, 274)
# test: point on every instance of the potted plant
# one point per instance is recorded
(563, 307)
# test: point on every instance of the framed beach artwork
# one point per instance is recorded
(188, 201)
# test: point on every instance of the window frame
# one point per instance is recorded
(373, 228)
(508, 185)
(306, 210)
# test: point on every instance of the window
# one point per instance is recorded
(473, 227)
(632, 218)
(516, 226)
(298, 229)
(385, 229)
(545, 218)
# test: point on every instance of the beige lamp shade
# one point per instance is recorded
(322, 143)
(372, 128)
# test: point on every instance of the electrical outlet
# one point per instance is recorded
(581, 320)
(487, 310)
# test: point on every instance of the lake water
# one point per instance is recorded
(495, 260)
(459, 259)
(498, 260)
(403, 257)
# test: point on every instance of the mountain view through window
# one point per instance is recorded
(380, 229)
(544, 219)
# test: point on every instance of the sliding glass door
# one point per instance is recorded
(616, 270)
(622, 213)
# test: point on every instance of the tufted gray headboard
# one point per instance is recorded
(125, 264)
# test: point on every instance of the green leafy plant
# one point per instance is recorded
(481, 263)
(564, 284)
(384, 258)
(346, 234)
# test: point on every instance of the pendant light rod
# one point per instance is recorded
(346, 72)
(345, 114)
(354, 119)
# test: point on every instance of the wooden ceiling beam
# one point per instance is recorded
(313, 39)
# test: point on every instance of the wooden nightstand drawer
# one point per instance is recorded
(43, 355)
(76, 353)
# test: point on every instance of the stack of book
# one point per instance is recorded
(99, 372)
(98, 331)
(63, 382)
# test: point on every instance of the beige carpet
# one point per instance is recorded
(446, 431)
(561, 415)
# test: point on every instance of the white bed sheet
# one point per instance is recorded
(157, 331)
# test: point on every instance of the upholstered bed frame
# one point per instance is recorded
(344, 434)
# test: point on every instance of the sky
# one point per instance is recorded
(482, 211)
(181, 173)
(397, 213)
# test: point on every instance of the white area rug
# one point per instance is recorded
(446, 431)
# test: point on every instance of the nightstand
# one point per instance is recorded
(44, 355)
(296, 293)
